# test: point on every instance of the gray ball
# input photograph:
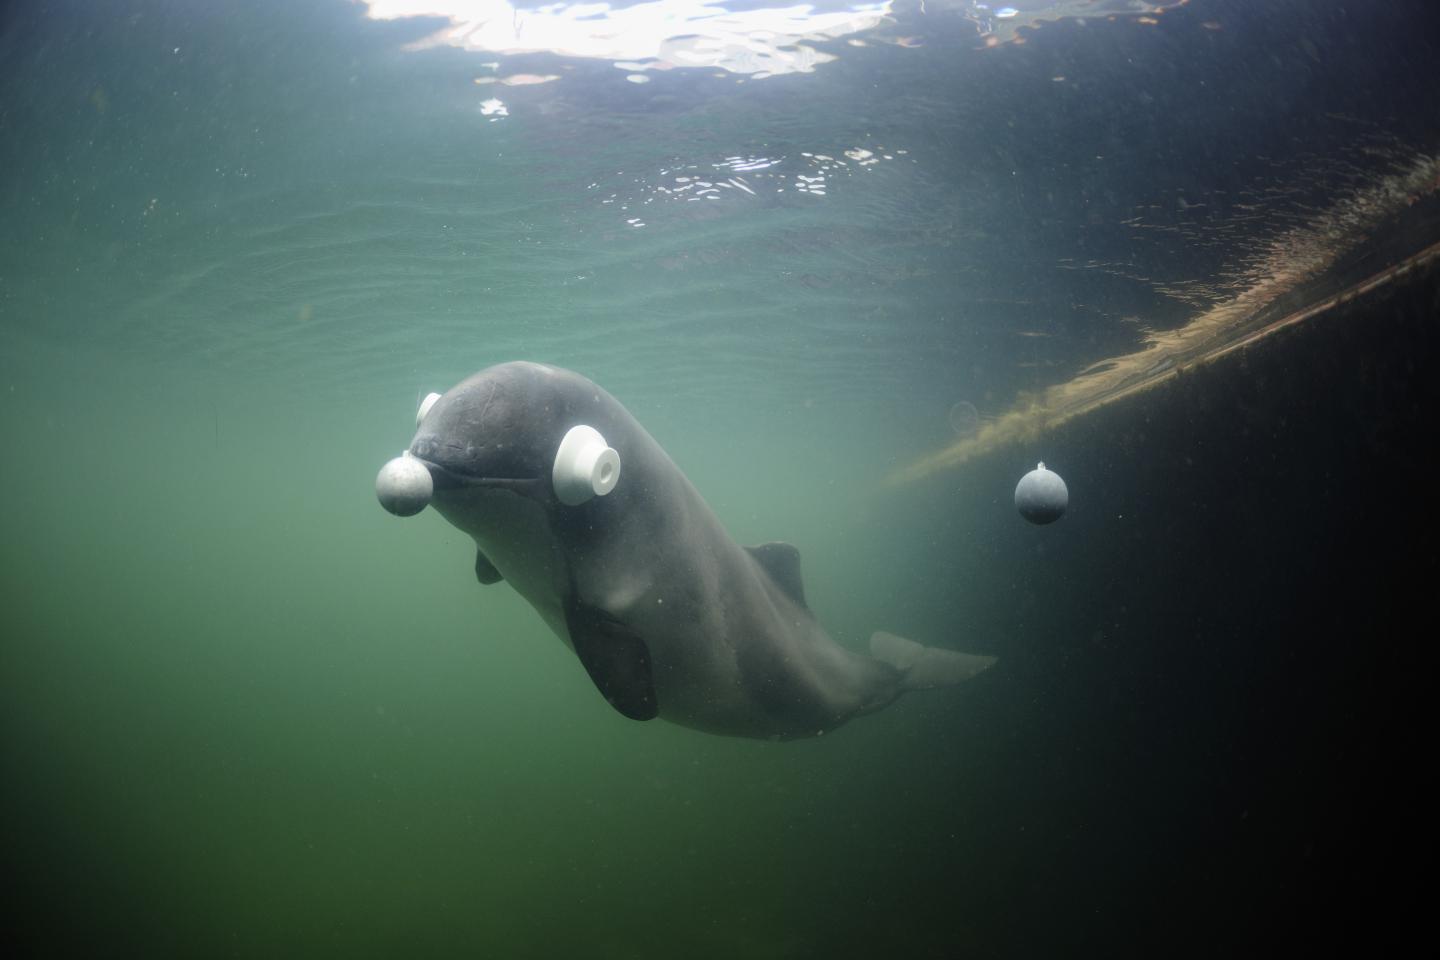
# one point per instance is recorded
(404, 486)
(1040, 496)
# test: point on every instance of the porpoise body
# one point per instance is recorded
(576, 506)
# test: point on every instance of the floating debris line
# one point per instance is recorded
(1300, 256)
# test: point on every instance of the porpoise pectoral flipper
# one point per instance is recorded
(616, 659)
(485, 571)
(922, 667)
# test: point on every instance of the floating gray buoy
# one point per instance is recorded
(1040, 496)
(404, 486)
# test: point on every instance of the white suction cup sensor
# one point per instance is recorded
(585, 466)
(425, 406)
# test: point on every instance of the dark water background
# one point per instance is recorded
(247, 713)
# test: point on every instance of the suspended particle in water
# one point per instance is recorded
(964, 419)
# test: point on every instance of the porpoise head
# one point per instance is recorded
(520, 428)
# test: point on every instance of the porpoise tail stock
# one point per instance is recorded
(926, 668)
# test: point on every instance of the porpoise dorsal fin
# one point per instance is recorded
(782, 561)
(616, 659)
(485, 571)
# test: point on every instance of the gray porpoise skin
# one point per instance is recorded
(669, 616)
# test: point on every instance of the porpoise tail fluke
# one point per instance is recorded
(922, 667)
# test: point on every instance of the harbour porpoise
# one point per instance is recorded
(574, 504)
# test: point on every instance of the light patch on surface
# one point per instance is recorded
(1002, 24)
(520, 79)
(742, 178)
(658, 35)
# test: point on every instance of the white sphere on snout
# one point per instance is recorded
(404, 486)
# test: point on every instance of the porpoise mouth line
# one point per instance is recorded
(515, 483)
